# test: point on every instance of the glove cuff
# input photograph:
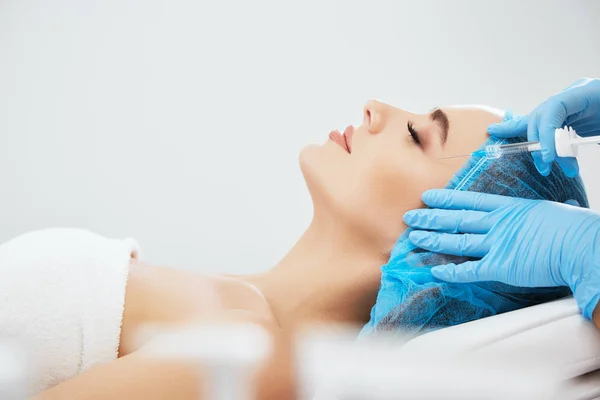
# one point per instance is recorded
(586, 288)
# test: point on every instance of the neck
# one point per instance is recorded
(329, 276)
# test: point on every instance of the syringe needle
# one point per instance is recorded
(446, 158)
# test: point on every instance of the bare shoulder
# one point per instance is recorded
(162, 296)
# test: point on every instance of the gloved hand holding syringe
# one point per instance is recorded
(577, 107)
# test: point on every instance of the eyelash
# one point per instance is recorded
(413, 133)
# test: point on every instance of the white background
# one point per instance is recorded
(179, 122)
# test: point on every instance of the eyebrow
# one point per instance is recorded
(441, 119)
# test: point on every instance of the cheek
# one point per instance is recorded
(384, 188)
(392, 183)
(399, 183)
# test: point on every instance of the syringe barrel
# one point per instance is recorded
(497, 150)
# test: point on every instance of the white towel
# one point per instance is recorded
(62, 294)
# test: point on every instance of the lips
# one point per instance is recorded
(344, 140)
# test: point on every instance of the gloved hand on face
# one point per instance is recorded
(520, 242)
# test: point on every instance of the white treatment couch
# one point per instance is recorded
(555, 330)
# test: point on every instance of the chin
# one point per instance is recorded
(309, 160)
(317, 163)
(307, 155)
(316, 158)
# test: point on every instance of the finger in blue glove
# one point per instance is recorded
(520, 242)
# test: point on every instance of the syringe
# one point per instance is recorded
(498, 150)
(566, 141)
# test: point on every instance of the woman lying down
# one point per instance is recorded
(80, 301)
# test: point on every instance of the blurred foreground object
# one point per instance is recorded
(227, 353)
(13, 371)
(336, 366)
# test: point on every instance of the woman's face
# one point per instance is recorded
(368, 176)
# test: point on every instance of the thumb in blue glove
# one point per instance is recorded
(577, 106)
(520, 242)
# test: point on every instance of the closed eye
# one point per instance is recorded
(413, 133)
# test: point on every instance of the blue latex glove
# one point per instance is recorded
(577, 106)
(527, 243)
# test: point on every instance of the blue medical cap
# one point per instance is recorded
(412, 301)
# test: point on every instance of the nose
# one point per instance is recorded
(374, 115)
